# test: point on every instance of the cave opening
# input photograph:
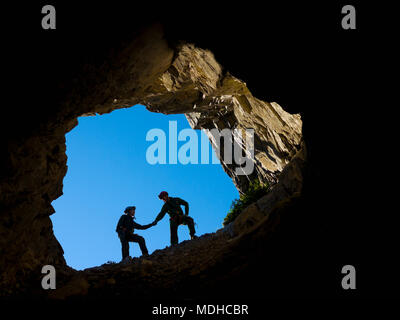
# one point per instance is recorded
(181, 81)
(109, 169)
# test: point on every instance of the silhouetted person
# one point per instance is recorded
(125, 228)
(172, 206)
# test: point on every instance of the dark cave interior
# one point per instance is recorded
(296, 55)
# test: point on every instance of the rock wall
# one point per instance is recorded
(146, 70)
(290, 185)
(195, 84)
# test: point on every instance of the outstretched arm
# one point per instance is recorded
(142, 227)
(160, 215)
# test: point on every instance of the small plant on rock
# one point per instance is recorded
(255, 191)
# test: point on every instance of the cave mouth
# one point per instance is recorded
(169, 79)
(108, 170)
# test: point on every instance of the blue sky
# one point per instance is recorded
(108, 171)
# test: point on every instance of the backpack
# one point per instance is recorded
(120, 223)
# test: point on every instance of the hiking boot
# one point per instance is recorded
(126, 260)
(193, 237)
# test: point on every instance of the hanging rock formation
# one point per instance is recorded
(196, 85)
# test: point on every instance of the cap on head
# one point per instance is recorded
(163, 194)
(129, 209)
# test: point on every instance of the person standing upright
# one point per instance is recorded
(125, 229)
(172, 206)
